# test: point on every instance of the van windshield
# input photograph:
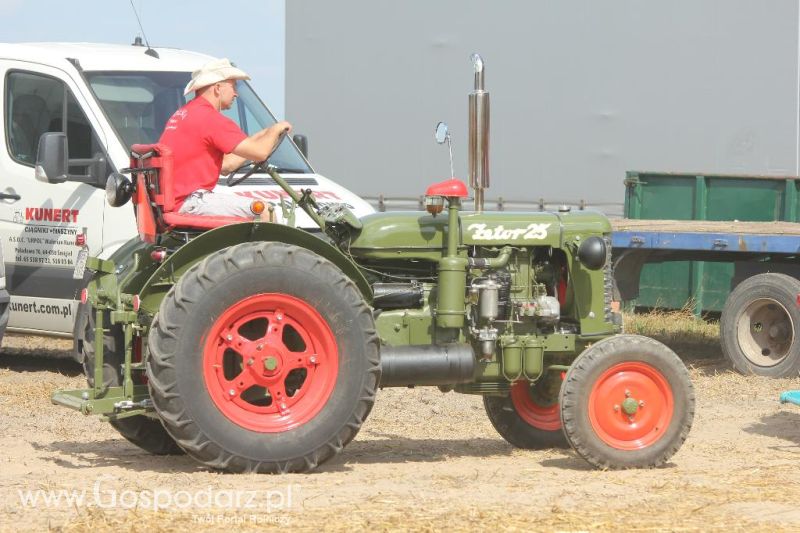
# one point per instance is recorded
(138, 104)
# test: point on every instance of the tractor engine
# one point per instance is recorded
(493, 306)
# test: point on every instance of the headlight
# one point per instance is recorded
(118, 189)
(592, 253)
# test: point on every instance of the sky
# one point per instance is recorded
(249, 33)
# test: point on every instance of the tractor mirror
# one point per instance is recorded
(441, 132)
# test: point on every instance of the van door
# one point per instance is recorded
(39, 222)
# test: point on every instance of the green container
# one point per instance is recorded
(669, 196)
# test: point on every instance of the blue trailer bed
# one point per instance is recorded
(760, 321)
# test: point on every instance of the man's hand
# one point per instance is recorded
(260, 145)
(283, 126)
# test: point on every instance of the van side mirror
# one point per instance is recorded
(52, 163)
(302, 144)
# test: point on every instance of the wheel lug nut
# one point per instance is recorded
(627, 393)
(260, 347)
(229, 338)
(616, 407)
(250, 361)
(232, 392)
(641, 403)
(313, 359)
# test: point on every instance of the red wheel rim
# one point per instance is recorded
(541, 417)
(270, 362)
(630, 406)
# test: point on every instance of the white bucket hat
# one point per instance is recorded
(214, 72)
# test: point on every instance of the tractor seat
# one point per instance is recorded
(156, 209)
(180, 221)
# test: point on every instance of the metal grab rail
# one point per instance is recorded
(384, 203)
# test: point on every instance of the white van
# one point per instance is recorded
(4, 299)
(105, 98)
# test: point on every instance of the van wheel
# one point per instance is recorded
(760, 326)
(263, 358)
(145, 432)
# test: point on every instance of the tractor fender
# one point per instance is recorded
(176, 264)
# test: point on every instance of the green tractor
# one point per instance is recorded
(259, 347)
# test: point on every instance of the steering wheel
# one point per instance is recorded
(232, 180)
(261, 165)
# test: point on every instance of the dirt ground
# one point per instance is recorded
(423, 461)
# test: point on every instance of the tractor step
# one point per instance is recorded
(112, 402)
(792, 396)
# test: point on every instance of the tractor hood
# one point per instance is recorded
(418, 231)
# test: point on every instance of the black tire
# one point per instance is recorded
(760, 326)
(145, 432)
(509, 419)
(188, 333)
(601, 385)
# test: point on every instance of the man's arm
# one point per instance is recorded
(231, 162)
(255, 148)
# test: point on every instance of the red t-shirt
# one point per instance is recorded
(199, 137)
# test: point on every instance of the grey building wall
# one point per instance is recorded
(581, 90)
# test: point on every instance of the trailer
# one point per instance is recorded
(760, 319)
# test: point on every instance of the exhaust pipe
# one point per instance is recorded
(478, 135)
(403, 366)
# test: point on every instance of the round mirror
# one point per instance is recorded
(441, 132)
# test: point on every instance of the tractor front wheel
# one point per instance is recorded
(263, 358)
(627, 402)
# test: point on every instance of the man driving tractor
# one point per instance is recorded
(205, 143)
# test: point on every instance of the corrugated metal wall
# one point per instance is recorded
(581, 90)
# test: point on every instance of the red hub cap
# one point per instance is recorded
(270, 362)
(545, 418)
(630, 406)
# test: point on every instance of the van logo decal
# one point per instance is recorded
(497, 233)
(51, 214)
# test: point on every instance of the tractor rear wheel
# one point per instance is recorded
(145, 432)
(627, 402)
(525, 419)
(263, 358)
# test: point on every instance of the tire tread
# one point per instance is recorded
(176, 308)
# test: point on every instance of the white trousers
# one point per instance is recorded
(207, 203)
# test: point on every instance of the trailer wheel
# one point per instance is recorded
(760, 326)
(524, 419)
(627, 402)
(263, 358)
(145, 432)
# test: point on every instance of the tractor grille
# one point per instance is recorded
(608, 282)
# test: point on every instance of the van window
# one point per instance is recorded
(36, 104)
(138, 105)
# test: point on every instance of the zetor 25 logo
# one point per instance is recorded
(531, 232)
